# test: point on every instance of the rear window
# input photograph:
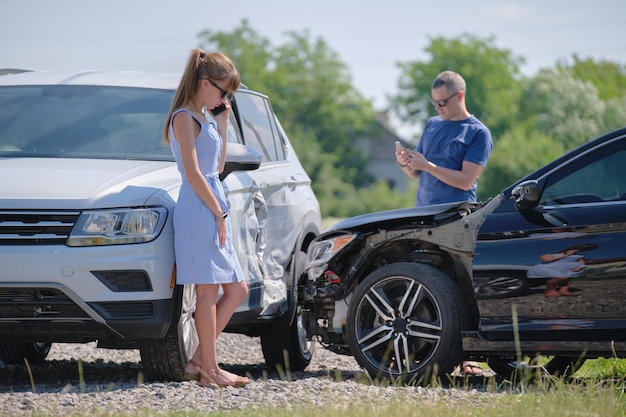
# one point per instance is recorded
(69, 121)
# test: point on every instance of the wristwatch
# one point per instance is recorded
(223, 216)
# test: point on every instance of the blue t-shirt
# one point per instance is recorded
(448, 143)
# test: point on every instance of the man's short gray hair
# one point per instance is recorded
(451, 80)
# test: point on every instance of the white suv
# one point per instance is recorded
(86, 241)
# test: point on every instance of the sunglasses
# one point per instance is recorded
(223, 93)
(442, 103)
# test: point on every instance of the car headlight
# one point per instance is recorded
(322, 251)
(117, 226)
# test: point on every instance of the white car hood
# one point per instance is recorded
(56, 183)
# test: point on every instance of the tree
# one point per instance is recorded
(251, 53)
(567, 109)
(608, 77)
(314, 89)
(312, 94)
(532, 120)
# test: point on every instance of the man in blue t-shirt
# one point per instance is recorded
(450, 156)
(453, 150)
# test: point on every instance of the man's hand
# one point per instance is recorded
(403, 156)
(417, 161)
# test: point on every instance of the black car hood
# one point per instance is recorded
(409, 217)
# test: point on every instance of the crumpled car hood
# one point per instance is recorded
(426, 215)
(40, 183)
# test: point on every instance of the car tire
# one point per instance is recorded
(165, 359)
(17, 353)
(405, 322)
(557, 366)
(285, 346)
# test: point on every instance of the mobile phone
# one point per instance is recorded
(400, 145)
(217, 110)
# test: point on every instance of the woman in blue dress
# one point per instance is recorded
(560, 268)
(202, 232)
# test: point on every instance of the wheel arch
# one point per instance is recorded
(284, 343)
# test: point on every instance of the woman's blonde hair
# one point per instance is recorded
(214, 66)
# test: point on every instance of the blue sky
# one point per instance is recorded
(371, 37)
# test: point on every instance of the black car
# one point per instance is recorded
(540, 269)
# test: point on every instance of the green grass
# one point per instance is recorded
(558, 401)
(603, 369)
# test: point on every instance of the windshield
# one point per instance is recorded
(70, 121)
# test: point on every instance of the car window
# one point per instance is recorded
(259, 126)
(597, 177)
(70, 121)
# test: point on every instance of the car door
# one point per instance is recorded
(270, 213)
(560, 267)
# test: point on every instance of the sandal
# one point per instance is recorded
(193, 377)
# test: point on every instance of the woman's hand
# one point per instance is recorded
(221, 118)
(221, 230)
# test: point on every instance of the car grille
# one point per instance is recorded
(125, 310)
(31, 227)
(41, 303)
(53, 304)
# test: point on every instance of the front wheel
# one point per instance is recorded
(286, 347)
(405, 322)
(15, 353)
(165, 359)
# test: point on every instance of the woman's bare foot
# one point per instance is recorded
(243, 380)
(472, 369)
(222, 379)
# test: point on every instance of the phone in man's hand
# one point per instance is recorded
(401, 146)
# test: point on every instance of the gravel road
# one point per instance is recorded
(112, 382)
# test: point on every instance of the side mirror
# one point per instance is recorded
(526, 195)
(240, 158)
